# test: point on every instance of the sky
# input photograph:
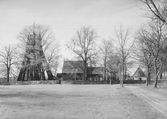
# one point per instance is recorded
(65, 17)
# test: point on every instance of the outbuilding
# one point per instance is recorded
(139, 74)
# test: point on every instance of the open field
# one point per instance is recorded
(73, 102)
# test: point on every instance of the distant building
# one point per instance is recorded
(139, 74)
(73, 70)
(95, 73)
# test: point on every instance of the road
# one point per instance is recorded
(158, 101)
(74, 102)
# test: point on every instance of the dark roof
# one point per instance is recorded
(95, 70)
(139, 73)
(72, 67)
(77, 67)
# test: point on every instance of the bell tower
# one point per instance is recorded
(34, 65)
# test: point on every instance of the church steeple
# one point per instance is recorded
(34, 25)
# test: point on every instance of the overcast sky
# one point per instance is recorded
(66, 16)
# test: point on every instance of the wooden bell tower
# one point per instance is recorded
(34, 65)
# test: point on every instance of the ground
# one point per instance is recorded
(75, 102)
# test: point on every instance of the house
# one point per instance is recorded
(73, 70)
(95, 73)
(139, 74)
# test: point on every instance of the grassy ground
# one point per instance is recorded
(73, 102)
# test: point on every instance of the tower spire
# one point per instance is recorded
(34, 24)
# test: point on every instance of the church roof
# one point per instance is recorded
(139, 73)
(77, 67)
(72, 67)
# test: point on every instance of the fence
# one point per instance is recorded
(84, 82)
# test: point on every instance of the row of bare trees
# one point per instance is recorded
(149, 46)
(113, 57)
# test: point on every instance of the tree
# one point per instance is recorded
(123, 49)
(142, 52)
(52, 56)
(84, 46)
(153, 37)
(113, 66)
(158, 8)
(7, 61)
(106, 50)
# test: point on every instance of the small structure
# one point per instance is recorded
(139, 74)
(73, 70)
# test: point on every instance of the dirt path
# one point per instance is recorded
(73, 102)
(158, 101)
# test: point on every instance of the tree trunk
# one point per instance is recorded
(155, 74)
(8, 72)
(123, 76)
(148, 79)
(161, 76)
(121, 80)
(156, 78)
(156, 81)
(104, 77)
(125, 73)
(85, 71)
(110, 79)
(122, 83)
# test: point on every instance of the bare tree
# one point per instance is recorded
(113, 66)
(52, 56)
(142, 52)
(7, 61)
(158, 8)
(123, 48)
(106, 50)
(84, 46)
(153, 37)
